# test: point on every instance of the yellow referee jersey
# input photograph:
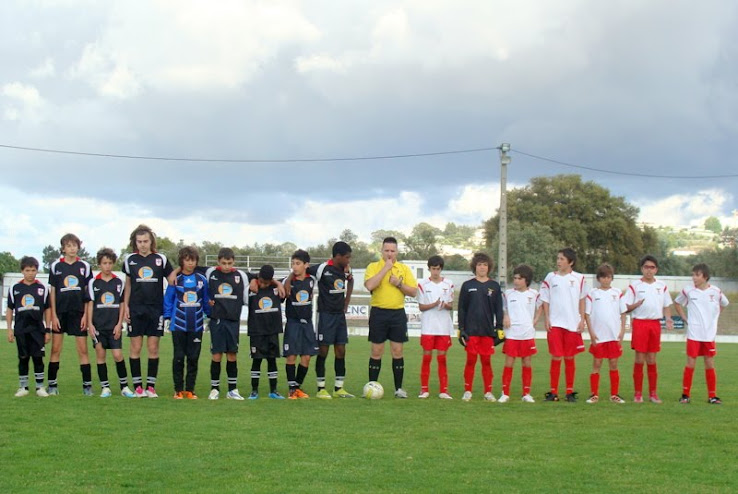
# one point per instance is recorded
(387, 296)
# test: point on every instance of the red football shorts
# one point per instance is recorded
(608, 349)
(481, 345)
(519, 348)
(563, 343)
(646, 336)
(701, 348)
(431, 342)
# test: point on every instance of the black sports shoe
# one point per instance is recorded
(715, 401)
(571, 397)
(551, 397)
(684, 399)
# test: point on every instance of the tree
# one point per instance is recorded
(379, 235)
(8, 264)
(456, 262)
(713, 224)
(534, 245)
(422, 241)
(581, 215)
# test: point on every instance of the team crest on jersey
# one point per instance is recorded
(302, 296)
(614, 297)
(107, 298)
(158, 262)
(490, 292)
(311, 284)
(530, 300)
(275, 291)
(189, 297)
(82, 271)
(338, 284)
(225, 289)
(265, 303)
(145, 273)
(40, 292)
(199, 285)
(28, 300)
(712, 297)
(237, 278)
(71, 281)
(571, 283)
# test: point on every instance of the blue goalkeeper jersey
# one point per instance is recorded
(187, 303)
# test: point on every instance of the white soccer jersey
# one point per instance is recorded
(436, 321)
(563, 294)
(703, 308)
(604, 308)
(521, 308)
(655, 295)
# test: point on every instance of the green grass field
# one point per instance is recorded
(82, 444)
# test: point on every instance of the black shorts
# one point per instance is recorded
(146, 320)
(187, 344)
(224, 336)
(299, 338)
(332, 328)
(107, 340)
(30, 344)
(387, 324)
(70, 323)
(264, 346)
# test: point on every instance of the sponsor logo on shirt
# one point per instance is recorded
(190, 299)
(71, 283)
(28, 303)
(107, 301)
(302, 298)
(266, 305)
(146, 275)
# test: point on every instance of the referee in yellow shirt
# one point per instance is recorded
(389, 282)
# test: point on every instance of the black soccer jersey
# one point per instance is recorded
(29, 303)
(331, 287)
(299, 304)
(265, 312)
(480, 307)
(69, 282)
(147, 276)
(229, 291)
(106, 298)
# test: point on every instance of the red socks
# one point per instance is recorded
(555, 372)
(638, 378)
(527, 378)
(471, 360)
(711, 379)
(486, 372)
(614, 382)
(425, 372)
(594, 383)
(507, 374)
(570, 367)
(442, 373)
(653, 376)
(687, 380)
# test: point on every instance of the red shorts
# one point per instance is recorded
(480, 345)
(519, 348)
(608, 349)
(701, 348)
(646, 335)
(563, 343)
(431, 342)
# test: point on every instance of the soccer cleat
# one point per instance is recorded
(21, 392)
(527, 399)
(654, 398)
(424, 395)
(638, 398)
(87, 391)
(151, 392)
(179, 395)
(571, 397)
(140, 393)
(616, 399)
(342, 393)
(126, 392)
(276, 396)
(685, 400)
(593, 399)
(551, 397)
(467, 396)
(234, 395)
(715, 401)
(106, 393)
(41, 392)
(488, 396)
(323, 394)
(292, 395)
(52, 391)
(254, 395)
(214, 394)
(445, 396)
(190, 395)
(300, 394)
(503, 399)
(400, 393)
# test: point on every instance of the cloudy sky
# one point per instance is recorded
(626, 86)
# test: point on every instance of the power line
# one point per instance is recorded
(630, 174)
(217, 160)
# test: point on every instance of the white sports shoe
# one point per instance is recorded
(424, 395)
(528, 399)
(234, 395)
(503, 399)
(105, 393)
(151, 392)
(214, 394)
(41, 392)
(445, 396)
(21, 392)
(488, 396)
(466, 396)
(127, 393)
(400, 393)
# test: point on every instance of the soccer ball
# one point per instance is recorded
(373, 390)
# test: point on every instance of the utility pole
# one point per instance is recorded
(502, 251)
